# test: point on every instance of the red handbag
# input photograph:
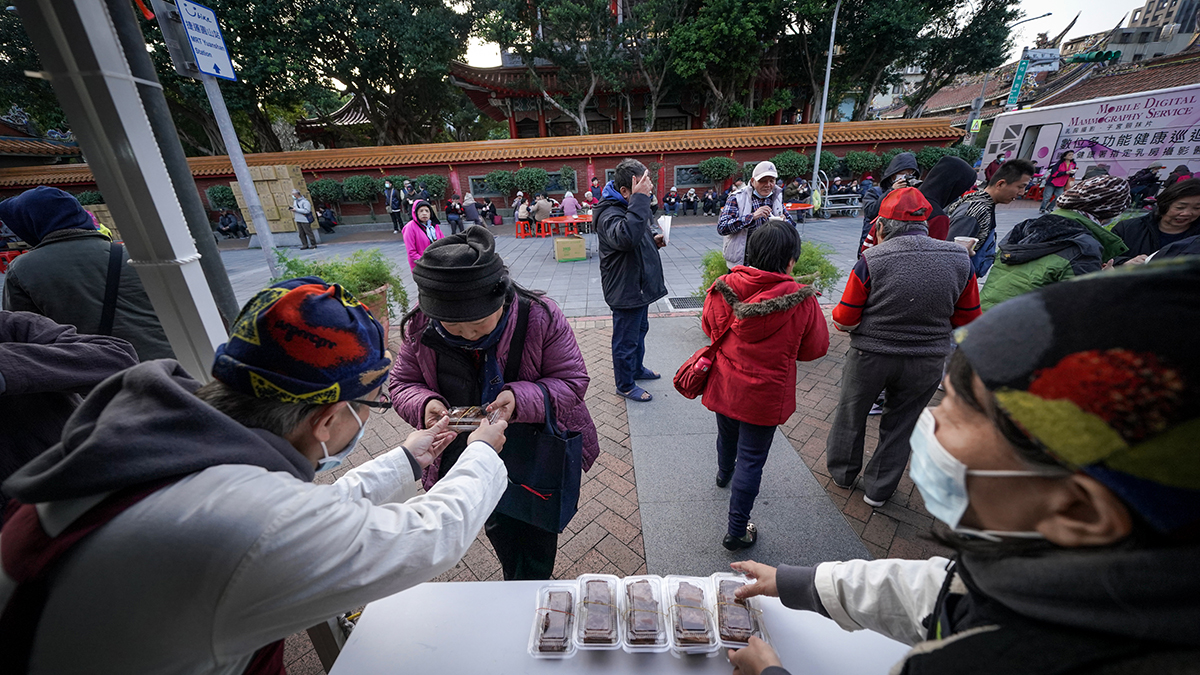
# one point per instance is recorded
(692, 376)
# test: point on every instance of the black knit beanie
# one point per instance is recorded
(460, 278)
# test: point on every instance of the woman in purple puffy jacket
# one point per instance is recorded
(455, 352)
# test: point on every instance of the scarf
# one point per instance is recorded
(491, 377)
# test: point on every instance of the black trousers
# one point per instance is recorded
(397, 221)
(525, 551)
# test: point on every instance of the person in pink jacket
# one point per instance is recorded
(421, 231)
(455, 352)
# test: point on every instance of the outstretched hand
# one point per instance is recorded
(491, 433)
(753, 658)
(763, 576)
(427, 445)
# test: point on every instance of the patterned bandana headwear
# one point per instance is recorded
(1097, 371)
(1103, 196)
(304, 341)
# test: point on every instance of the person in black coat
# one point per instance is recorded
(1176, 216)
(631, 271)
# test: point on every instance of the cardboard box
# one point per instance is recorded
(569, 249)
(267, 172)
(255, 173)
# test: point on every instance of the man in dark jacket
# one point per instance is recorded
(902, 300)
(630, 271)
(975, 214)
(44, 369)
(65, 275)
(393, 199)
(899, 172)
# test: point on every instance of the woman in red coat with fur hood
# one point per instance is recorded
(773, 322)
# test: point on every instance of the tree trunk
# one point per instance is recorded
(267, 140)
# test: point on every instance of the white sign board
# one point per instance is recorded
(204, 35)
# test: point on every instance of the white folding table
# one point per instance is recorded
(483, 627)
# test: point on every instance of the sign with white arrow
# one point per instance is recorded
(204, 35)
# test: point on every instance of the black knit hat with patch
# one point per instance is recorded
(460, 278)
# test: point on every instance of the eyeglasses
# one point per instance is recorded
(380, 405)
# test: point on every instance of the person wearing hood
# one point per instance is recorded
(393, 199)
(44, 369)
(690, 201)
(768, 322)
(421, 231)
(974, 215)
(65, 276)
(631, 271)
(903, 299)
(899, 173)
(1069, 242)
(476, 338)
(570, 205)
(1061, 467)
(1176, 216)
(207, 542)
(943, 185)
(1181, 172)
(749, 208)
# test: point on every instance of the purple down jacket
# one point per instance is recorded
(551, 357)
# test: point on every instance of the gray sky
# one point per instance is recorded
(1098, 15)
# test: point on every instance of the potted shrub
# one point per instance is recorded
(718, 169)
(367, 274)
(365, 189)
(327, 191)
(812, 269)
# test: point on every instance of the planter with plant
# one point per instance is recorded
(220, 197)
(371, 277)
(501, 182)
(531, 180)
(791, 164)
(813, 268)
(327, 191)
(718, 169)
(436, 185)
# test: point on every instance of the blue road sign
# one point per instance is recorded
(204, 35)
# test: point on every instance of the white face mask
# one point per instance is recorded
(329, 463)
(942, 480)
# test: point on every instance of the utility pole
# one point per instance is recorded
(816, 181)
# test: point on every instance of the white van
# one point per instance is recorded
(1122, 133)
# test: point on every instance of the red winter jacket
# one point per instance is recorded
(775, 322)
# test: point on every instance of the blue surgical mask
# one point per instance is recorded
(942, 480)
(329, 463)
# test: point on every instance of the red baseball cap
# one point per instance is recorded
(905, 204)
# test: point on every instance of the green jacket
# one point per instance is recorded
(63, 278)
(1045, 250)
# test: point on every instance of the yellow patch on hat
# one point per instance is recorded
(245, 327)
(1068, 431)
(264, 388)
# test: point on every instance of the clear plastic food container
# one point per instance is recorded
(598, 622)
(692, 623)
(737, 620)
(644, 614)
(554, 621)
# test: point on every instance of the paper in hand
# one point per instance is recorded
(664, 224)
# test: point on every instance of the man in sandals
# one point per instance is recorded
(630, 271)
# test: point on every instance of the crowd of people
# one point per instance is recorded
(154, 522)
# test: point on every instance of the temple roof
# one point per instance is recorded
(929, 130)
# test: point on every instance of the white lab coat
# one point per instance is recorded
(198, 576)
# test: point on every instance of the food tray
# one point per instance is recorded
(552, 612)
(604, 615)
(691, 623)
(654, 608)
(727, 613)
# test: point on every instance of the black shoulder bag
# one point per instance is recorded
(544, 462)
(108, 311)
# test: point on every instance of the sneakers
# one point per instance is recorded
(873, 503)
(876, 409)
(747, 540)
(395, 231)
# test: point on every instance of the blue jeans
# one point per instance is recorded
(629, 344)
(742, 451)
(456, 225)
(672, 210)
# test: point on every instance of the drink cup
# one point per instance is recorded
(967, 243)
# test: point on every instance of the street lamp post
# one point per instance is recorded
(816, 181)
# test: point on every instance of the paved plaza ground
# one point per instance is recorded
(649, 504)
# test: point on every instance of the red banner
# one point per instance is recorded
(455, 186)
